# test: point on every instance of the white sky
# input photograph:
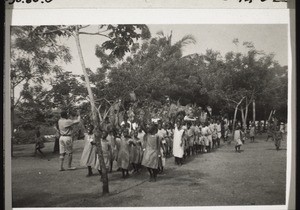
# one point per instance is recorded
(269, 38)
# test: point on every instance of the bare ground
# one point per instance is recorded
(256, 176)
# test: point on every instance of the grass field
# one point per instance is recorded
(256, 176)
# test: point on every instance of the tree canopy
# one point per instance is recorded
(152, 70)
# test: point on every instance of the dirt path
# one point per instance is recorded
(256, 176)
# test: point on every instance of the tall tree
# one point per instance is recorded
(120, 37)
(32, 59)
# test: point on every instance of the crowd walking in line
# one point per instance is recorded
(136, 145)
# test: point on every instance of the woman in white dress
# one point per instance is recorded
(89, 154)
(178, 143)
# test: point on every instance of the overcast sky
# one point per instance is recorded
(269, 38)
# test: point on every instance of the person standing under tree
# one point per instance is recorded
(219, 132)
(277, 138)
(238, 138)
(162, 134)
(56, 142)
(89, 154)
(39, 142)
(123, 144)
(65, 140)
(178, 143)
(252, 132)
(152, 151)
(106, 152)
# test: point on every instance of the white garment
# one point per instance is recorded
(135, 126)
(218, 126)
(178, 144)
(205, 133)
(237, 137)
(123, 123)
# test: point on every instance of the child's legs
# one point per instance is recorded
(90, 172)
(38, 149)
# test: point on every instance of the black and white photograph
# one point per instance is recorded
(149, 115)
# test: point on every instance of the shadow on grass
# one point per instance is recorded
(276, 149)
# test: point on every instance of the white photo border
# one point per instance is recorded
(152, 16)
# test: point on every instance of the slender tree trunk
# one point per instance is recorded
(105, 187)
(234, 117)
(254, 114)
(246, 115)
(243, 117)
(270, 115)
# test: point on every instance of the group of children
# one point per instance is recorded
(148, 145)
(129, 148)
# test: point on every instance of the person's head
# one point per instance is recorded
(125, 132)
(104, 134)
(159, 125)
(189, 124)
(109, 129)
(64, 114)
(73, 114)
(135, 133)
(152, 128)
(90, 129)
(178, 123)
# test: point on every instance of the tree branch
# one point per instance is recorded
(95, 34)
(18, 100)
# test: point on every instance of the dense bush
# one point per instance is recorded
(27, 136)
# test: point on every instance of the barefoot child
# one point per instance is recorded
(89, 154)
(277, 138)
(123, 152)
(139, 152)
(106, 151)
(252, 132)
(238, 138)
(39, 142)
(152, 151)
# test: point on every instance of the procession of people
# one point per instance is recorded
(134, 145)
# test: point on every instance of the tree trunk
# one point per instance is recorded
(243, 117)
(270, 115)
(253, 119)
(105, 187)
(234, 117)
(246, 115)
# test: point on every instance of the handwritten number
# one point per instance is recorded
(28, 1)
(18, 0)
(13, 1)
(250, 1)
(35, 0)
(48, 1)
